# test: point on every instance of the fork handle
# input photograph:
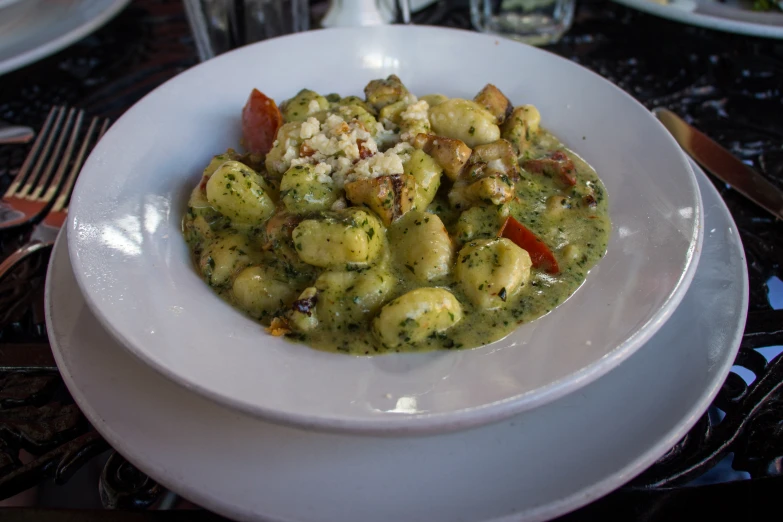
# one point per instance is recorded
(20, 255)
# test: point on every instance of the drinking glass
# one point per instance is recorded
(221, 25)
(536, 22)
(346, 13)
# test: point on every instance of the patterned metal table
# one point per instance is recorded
(729, 465)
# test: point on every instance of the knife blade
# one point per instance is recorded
(722, 164)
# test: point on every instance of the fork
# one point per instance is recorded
(32, 191)
(50, 201)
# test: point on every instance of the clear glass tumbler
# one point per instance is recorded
(537, 22)
(347, 13)
(221, 25)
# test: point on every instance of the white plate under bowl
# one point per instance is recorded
(732, 16)
(33, 29)
(535, 466)
(137, 276)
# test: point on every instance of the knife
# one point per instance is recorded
(722, 164)
(15, 133)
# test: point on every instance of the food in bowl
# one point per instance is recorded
(393, 222)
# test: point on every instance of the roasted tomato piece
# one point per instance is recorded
(260, 121)
(558, 165)
(540, 254)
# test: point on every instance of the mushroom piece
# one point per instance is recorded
(388, 196)
(498, 157)
(495, 102)
(521, 128)
(494, 189)
(279, 228)
(449, 153)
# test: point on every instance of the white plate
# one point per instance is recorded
(136, 273)
(731, 16)
(535, 466)
(33, 29)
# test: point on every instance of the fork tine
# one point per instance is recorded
(65, 194)
(43, 136)
(43, 168)
(57, 181)
(104, 128)
(35, 190)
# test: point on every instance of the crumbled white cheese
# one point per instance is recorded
(290, 154)
(339, 204)
(386, 138)
(383, 164)
(309, 128)
(337, 144)
(388, 125)
(301, 161)
(414, 119)
(313, 106)
(332, 121)
(403, 149)
(323, 144)
(410, 99)
(343, 151)
(416, 111)
(340, 166)
(322, 171)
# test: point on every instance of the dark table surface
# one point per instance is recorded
(730, 464)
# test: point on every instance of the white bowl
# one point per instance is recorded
(134, 268)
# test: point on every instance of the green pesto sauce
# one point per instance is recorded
(577, 234)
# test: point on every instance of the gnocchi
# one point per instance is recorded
(415, 316)
(426, 173)
(303, 189)
(225, 258)
(260, 294)
(350, 237)
(464, 120)
(491, 271)
(423, 245)
(240, 194)
(347, 298)
(304, 104)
